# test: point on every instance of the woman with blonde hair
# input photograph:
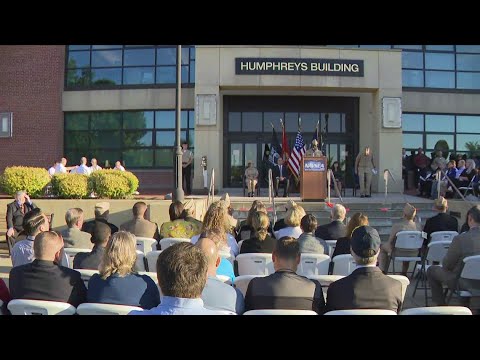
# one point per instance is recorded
(246, 229)
(343, 244)
(261, 242)
(216, 218)
(292, 219)
(117, 281)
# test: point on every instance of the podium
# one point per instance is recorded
(313, 178)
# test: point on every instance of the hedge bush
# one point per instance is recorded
(56, 179)
(112, 185)
(31, 179)
(73, 186)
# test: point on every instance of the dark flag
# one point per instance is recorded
(266, 152)
(276, 149)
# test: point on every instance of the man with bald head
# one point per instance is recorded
(217, 295)
(139, 226)
(83, 168)
(44, 279)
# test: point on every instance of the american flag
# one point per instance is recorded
(297, 154)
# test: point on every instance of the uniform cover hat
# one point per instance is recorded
(365, 241)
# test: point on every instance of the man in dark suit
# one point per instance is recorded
(336, 229)
(442, 221)
(101, 214)
(139, 226)
(285, 289)
(281, 176)
(16, 211)
(91, 260)
(366, 287)
(44, 279)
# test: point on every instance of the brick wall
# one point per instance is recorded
(31, 84)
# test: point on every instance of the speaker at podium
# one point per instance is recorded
(313, 178)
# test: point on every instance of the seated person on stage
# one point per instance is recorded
(118, 282)
(246, 229)
(73, 237)
(406, 224)
(281, 177)
(95, 166)
(34, 223)
(62, 168)
(216, 218)
(139, 226)
(260, 242)
(51, 170)
(466, 176)
(342, 246)
(83, 168)
(280, 224)
(335, 229)
(251, 178)
(307, 241)
(440, 222)
(451, 172)
(292, 220)
(91, 260)
(426, 176)
(118, 166)
(284, 289)
(16, 210)
(178, 227)
(339, 175)
(102, 211)
(367, 287)
(182, 276)
(44, 279)
(217, 295)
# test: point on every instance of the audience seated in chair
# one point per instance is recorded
(139, 226)
(231, 220)
(280, 224)
(343, 244)
(336, 228)
(440, 222)
(91, 260)
(117, 281)
(16, 211)
(73, 237)
(102, 211)
(178, 227)
(307, 241)
(292, 219)
(260, 241)
(246, 229)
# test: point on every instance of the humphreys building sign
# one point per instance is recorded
(288, 66)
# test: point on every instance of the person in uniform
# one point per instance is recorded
(251, 178)
(364, 167)
(313, 151)
(187, 159)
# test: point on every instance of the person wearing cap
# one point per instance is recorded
(251, 178)
(313, 151)
(102, 211)
(442, 221)
(406, 224)
(364, 166)
(280, 224)
(187, 160)
(367, 287)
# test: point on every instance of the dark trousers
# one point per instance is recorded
(285, 183)
(187, 179)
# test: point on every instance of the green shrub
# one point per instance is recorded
(112, 185)
(32, 180)
(56, 179)
(132, 180)
(73, 186)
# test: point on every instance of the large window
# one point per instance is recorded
(461, 132)
(105, 66)
(140, 139)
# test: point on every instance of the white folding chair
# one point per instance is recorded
(40, 307)
(442, 236)
(152, 257)
(438, 310)
(404, 281)
(86, 275)
(343, 264)
(152, 275)
(325, 281)
(241, 282)
(166, 242)
(105, 309)
(313, 264)
(280, 312)
(225, 278)
(362, 312)
(140, 263)
(331, 246)
(468, 188)
(145, 244)
(470, 271)
(255, 264)
(406, 240)
(227, 255)
(71, 252)
(240, 245)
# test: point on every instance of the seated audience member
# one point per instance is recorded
(217, 218)
(188, 214)
(231, 220)
(16, 211)
(4, 297)
(307, 241)
(406, 224)
(280, 224)
(218, 237)
(139, 226)
(442, 221)
(217, 295)
(91, 260)
(44, 279)
(182, 275)
(285, 289)
(95, 166)
(465, 227)
(118, 166)
(34, 223)
(73, 237)
(178, 227)
(463, 245)
(83, 168)
(246, 230)
(102, 211)
(367, 287)
(260, 242)
(118, 282)
(292, 219)
(342, 245)
(335, 229)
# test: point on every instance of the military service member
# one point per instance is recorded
(313, 151)
(187, 159)
(251, 178)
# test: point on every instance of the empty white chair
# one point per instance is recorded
(280, 312)
(40, 307)
(362, 312)
(166, 242)
(404, 281)
(152, 275)
(470, 271)
(145, 244)
(255, 264)
(313, 264)
(86, 275)
(331, 245)
(442, 236)
(407, 240)
(152, 257)
(438, 310)
(241, 282)
(343, 264)
(105, 309)
(227, 255)
(140, 263)
(71, 252)
(224, 278)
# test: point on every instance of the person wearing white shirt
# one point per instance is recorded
(51, 170)
(83, 168)
(61, 167)
(292, 219)
(460, 168)
(119, 166)
(94, 166)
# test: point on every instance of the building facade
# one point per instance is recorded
(117, 102)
